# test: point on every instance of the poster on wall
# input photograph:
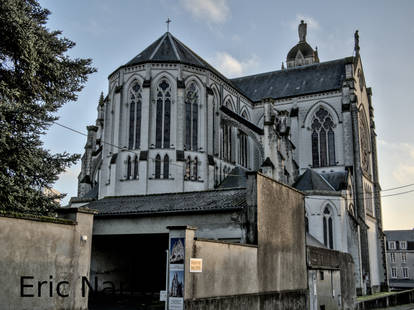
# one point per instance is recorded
(177, 254)
(176, 276)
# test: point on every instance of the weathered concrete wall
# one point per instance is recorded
(47, 251)
(281, 237)
(263, 301)
(271, 275)
(324, 259)
(238, 262)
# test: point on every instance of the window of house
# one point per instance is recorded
(191, 117)
(393, 272)
(327, 228)
(391, 245)
(321, 275)
(403, 257)
(405, 272)
(135, 105)
(392, 256)
(403, 245)
(323, 139)
(163, 115)
(227, 142)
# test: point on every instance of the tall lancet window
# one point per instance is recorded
(135, 176)
(135, 105)
(163, 115)
(191, 117)
(327, 228)
(129, 168)
(158, 166)
(166, 173)
(323, 139)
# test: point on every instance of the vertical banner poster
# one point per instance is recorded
(176, 276)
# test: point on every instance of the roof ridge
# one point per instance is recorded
(173, 46)
(158, 46)
(289, 69)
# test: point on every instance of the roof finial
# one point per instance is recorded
(283, 66)
(302, 31)
(356, 38)
(168, 21)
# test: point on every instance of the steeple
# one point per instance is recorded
(302, 53)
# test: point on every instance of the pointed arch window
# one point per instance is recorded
(158, 166)
(323, 139)
(191, 117)
(163, 115)
(135, 106)
(195, 169)
(135, 175)
(166, 173)
(129, 167)
(242, 149)
(188, 168)
(327, 228)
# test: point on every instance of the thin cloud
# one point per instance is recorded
(231, 67)
(212, 11)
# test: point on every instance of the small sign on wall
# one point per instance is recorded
(196, 265)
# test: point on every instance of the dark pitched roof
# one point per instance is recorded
(235, 179)
(398, 235)
(338, 180)
(296, 81)
(203, 201)
(311, 180)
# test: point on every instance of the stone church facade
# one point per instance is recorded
(171, 123)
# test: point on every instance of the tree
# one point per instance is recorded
(36, 79)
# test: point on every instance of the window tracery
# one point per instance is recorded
(323, 139)
(327, 228)
(163, 115)
(191, 117)
(365, 150)
(135, 107)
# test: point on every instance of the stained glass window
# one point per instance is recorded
(195, 169)
(163, 115)
(327, 228)
(191, 117)
(166, 173)
(129, 168)
(135, 167)
(135, 101)
(188, 168)
(323, 139)
(158, 166)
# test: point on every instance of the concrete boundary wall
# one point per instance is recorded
(270, 274)
(43, 260)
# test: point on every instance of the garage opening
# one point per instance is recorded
(127, 271)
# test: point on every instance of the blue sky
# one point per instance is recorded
(246, 37)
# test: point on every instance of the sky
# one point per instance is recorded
(247, 37)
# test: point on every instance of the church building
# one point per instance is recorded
(174, 135)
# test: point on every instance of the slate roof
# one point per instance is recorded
(397, 235)
(311, 180)
(169, 49)
(296, 81)
(338, 180)
(236, 179)
(204, 201)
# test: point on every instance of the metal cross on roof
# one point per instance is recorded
(168, 21)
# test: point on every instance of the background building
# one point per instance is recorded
(400, 258)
